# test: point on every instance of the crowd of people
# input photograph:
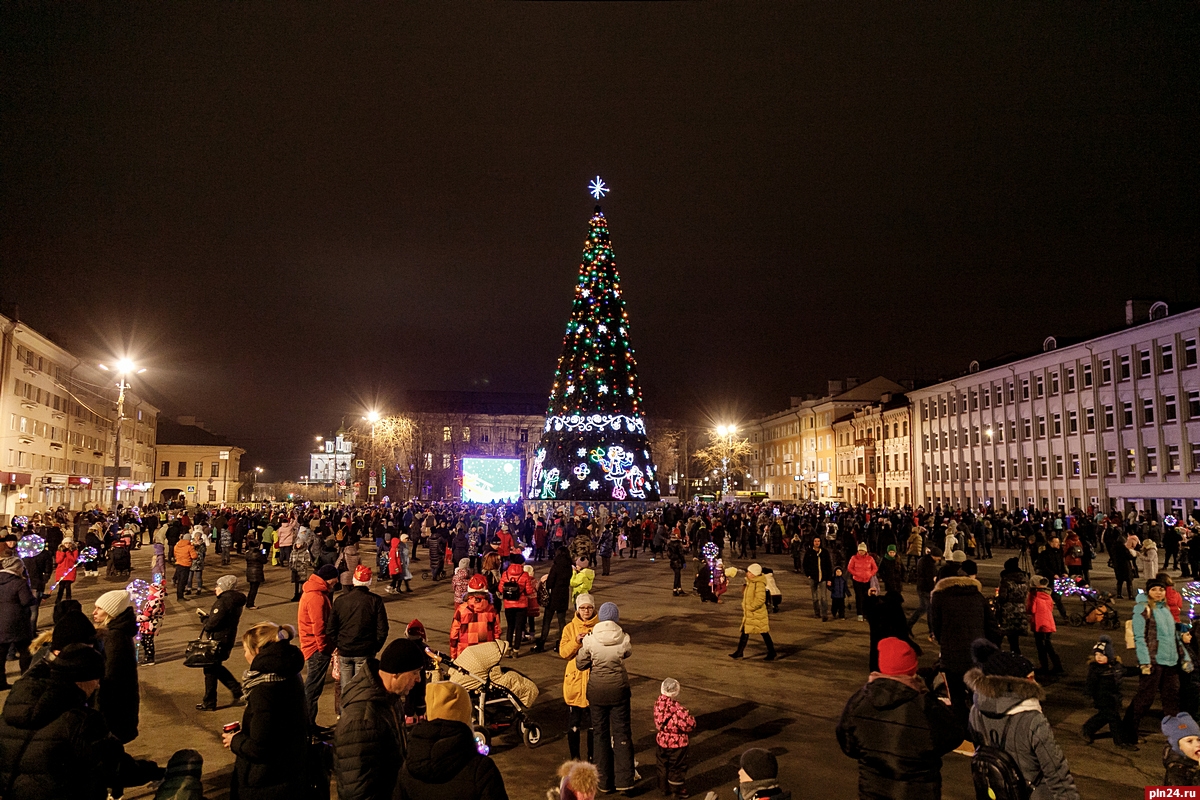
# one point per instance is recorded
(403, 733)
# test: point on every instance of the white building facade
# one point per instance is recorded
(1111, 423)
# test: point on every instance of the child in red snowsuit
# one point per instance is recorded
(476, 620)
(673, 723)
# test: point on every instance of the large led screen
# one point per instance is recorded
(488, 480)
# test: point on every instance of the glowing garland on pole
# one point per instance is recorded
(1190, 591)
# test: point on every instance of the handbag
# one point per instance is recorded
(202, 653)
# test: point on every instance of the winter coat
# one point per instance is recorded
(604, 651)
(675, 555)
(347, 562)
(369, 742)
(898, 731)
(1155, 636)
(185, 554)
(272, 747)
(119, 699)
(516, 574)
(559, 582)
(1181, 771)
(1103, 684)
(958, 615)
(64, 565)
(814, 560)
(1017, 702)
(1041, 611)
(222, 621)
(1069, 544)
(581, 582)
(927, 569)
(504, 544)
(754, 605)
(312, 617)
(838, 587)
(862, 567)
(1011, 598)
(358, 626)
(68, 749)
(1174, 602)
(255, 558)
(443, 762)
(475, 621)
(575, 681)
(915, 544)
(672, 722)
(1050, 564)
(15, 601)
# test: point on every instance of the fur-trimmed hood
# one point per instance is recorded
(1002, 687)
(960, 584)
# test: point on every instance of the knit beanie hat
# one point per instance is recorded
(1104, 646)
(959, 556)
(862, 547)
(1039, 582)
(584, 599)
(447, 700)
(969, 568)
(78, 663)
(1154, 583)
(402, 655)
(328, 572)
(670, 687)
(477, 585)
(464, 563)
(362, 575)
(994, 661)
(64, 607)
(754, 569)
(896, 657)
(72, 628)
(114, 602)
(227, 583)
(1179, 727)
(608, 612)
(759, 764)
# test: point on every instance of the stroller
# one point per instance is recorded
(118, 561)
(501, 697)
(1098, 608)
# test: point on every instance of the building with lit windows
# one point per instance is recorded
(794, 451)
(1112, 422)
(59, 419)
(873, 459)
(195, 465)
(332, 461)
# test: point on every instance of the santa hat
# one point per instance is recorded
(477, 585)
(362, 575)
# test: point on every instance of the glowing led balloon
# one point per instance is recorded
(710, 550)
(597, 189)
(88, 554)
(1169, 519)
(138, 591)
(29, 546)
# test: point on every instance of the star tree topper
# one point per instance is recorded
(597, 189)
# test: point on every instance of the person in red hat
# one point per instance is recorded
(358, 626)
(476, 620)
(898, 730)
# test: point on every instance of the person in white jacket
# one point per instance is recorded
(604, 651)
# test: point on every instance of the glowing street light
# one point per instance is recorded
(122, 368)
(372, 416)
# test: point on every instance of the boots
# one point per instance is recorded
(770, 647)
(741, 648)
(408, 587)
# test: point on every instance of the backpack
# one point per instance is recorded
(512, 590)
(996, 773)
(1075, 552)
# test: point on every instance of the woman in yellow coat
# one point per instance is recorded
(575, 680)
(754, 612)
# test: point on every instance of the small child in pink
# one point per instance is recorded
(673, 723)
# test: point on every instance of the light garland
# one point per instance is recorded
(577, 423)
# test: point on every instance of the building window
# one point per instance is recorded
(1169, 412)
(1131, 462)
(1151, 460)
(1125, 367)
(987, 398)
(1001, 464)
(1195, 456)
(1173, 458)
(1091, 464)
(1054, 383)
(1105, 372)
(1072, 422)
(991, 471)
(446, 433)
(485, 437)
(524, 434)
(198, 469)
(1166, 357)
(974, 401)
(165, 472)
(975, 435)
(1039, 385)
(1109, 420)
(445, 461)
(925, 442)
(1087, 376)
(1143, 363)
(214, 469)
(1028, 426)
(1110, 462)
(1043, 466)
(466, 433)
(1127, 415)
(1147, 410)
(429, 461)
(1070, 379)
(1089, 419)
(1193, 405)
(1056, 420)
(1025, 388)
(1029, 466)
(1012, 430)
(1041, 428)
(182, 472)
(1009, 384)
(1189, 352)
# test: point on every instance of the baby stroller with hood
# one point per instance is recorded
(501, 697)
(1098, 608)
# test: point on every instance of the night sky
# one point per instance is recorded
(290, 212)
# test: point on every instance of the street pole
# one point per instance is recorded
(121, 385)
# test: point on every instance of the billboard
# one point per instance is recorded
(487, 480)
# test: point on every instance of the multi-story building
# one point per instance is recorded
(333, 459)
(59, 418)
(794, 451)
(1112, 422)
(873, 459)
(195, 465)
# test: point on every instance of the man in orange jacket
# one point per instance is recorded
(312, 617)
(185, 554)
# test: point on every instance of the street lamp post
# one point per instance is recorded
(123, 368)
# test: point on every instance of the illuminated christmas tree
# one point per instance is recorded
(594, 447)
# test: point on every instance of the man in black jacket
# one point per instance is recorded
(358, 625)
(558, 582)
(221, 625)
(818, 566)
(897, 729)
(926, 578)
(1050, 565)
(370, 742)
(958, 615)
